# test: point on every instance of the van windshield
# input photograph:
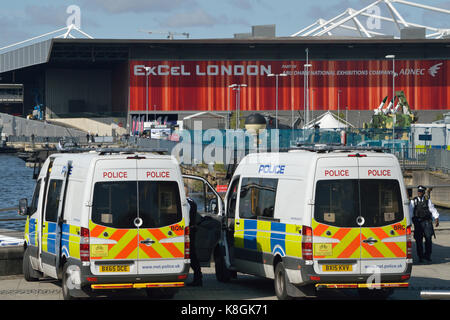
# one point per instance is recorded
(115, 204)
(340, 202)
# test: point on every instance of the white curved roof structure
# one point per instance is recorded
(349, 20)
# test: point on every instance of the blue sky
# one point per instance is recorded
(23, 19)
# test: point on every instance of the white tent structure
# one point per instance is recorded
(328, 120)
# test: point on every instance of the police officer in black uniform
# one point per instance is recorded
(423, 212)
(193, 220)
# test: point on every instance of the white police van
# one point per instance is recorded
(108, 219)
(317, 218)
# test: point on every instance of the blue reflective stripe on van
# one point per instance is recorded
(250, 227)
(66, 228)
(32, 231)
(51, 227)
(65, 240)
(276, 226)
(277, 236)
(65, 248)
(51, 243)
(51, 240)
(277, 239)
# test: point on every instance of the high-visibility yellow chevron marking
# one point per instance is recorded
(351, 243)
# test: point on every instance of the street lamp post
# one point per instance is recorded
(391, 56)
(276, 94)
(237, 87)
(312, 106)
(339, 115)
(147, 73)
(306, 66)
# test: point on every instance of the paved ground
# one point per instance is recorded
(425, 276)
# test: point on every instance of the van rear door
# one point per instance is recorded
(162, 225)
(335, 222)
(358, 223)
(383, 232)
(209, 217)
(113, 223)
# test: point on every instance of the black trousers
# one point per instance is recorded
(423, 230)
(195, 264)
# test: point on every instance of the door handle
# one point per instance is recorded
(148, 242)
(370, 241)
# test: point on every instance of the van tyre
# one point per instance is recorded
(222, 272)
(29, 273)
(64, 283)
(281, 282)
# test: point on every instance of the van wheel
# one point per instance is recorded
(29, 273)
(222, 272)
(280, 282)
(66, 283)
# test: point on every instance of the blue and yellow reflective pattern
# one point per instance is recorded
(268, 237)
(31, 234)
(70, 238)
(70, 241)
(49, 237)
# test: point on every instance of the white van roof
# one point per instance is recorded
(84, 160)
(304, 158)
(100, 154)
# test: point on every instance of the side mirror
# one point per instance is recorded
(23, 207)
(213, 208)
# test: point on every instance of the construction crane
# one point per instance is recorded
(170, 35)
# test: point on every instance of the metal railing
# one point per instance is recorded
(411, 158)
(425, 159)
(10, 217)
(438, 159)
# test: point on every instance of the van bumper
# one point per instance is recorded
(87, 278)
(90, 283)
(321, 281)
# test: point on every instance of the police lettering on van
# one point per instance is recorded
(268, 168)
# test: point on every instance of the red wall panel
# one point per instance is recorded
(203, 85)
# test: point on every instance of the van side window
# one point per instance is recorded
(35, 200)
(232, 198)
(53, 197)
(257, 198)
(203, 196)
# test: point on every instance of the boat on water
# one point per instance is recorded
(6, 149)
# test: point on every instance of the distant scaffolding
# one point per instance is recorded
(349, 21)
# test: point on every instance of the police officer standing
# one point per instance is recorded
(422, 213)
(193, 220)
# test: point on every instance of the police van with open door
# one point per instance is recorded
(318, 218)
(108, 219)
